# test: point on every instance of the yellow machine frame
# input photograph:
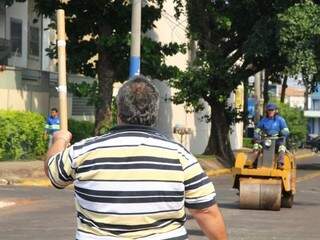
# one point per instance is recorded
(244, 170)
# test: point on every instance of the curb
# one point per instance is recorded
(43, 182)
(218, 172)
(306, 155)
(34, 182)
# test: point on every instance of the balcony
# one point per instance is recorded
(312, 113)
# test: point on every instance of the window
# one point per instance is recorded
(316, 104)
(34, 41)
(16, 36)
(2, 8)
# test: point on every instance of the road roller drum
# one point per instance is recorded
(260, 193)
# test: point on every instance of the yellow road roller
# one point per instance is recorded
(261, 184)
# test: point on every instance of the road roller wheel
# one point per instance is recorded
(258, 193)
(287, 200)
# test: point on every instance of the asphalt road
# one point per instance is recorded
(48, 214)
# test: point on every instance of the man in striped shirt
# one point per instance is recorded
(134, 183)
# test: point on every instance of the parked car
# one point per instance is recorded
(314, 144)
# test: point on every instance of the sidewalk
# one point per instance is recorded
(17, 172)
(30, 173)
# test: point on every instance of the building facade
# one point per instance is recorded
(30, 79)
(313, 114)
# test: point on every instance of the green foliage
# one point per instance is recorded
(88, 90)
(295, 119)
(105, 26)
(235, 39)
(279, 36)
(98, 45)
(152, 64)
(300, 37)
(80, 129)
(247, 143)
(107, 125)
(229, 50)
(22, 135)
(85, 89)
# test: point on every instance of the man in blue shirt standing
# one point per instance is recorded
(52, 125)
(272, 125)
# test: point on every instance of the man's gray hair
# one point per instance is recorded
(138, 102)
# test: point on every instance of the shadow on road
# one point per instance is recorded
(234, 205)
(308, 166)
(195, 232)
(305, 204)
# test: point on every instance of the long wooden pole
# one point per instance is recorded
(135, 39)
(62, 88)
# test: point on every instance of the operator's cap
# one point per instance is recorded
(271, 106)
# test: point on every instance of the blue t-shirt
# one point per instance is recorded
(53, 124)
(273, 126)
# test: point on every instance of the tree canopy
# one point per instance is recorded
(300, 41)
(98, 44)
(235, 39)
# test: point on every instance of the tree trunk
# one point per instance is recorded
(306, 92)
(306, 99)
(103, 114)
(245, 103)
(283, 89)
(219, 143)
(266, 97)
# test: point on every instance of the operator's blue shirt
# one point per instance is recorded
(53, 124)
(273, 126)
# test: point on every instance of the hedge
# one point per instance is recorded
(80, 129)
(22, 135)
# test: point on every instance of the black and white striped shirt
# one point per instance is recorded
(132, 183)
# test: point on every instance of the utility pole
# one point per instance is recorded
(62, 88)
(135, 38)
(257, 94)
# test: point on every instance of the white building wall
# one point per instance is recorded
(18, 11)
(167, 30)
(295, 101)
(309, 103)
(48, 37)
(34, 62)
(236, 101)
(24, 12)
